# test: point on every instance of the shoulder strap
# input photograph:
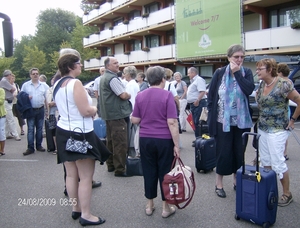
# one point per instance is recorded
(169, 86)
(61, 81)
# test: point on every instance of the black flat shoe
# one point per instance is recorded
(85, 222)
(75, 215)
(220, 192)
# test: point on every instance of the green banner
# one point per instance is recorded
(207, 27)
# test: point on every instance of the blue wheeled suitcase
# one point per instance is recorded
(256, 192)
(205, 154)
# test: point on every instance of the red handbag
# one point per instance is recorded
(179, 184)
(190, 121)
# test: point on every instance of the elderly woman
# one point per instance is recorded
(272, 97)
(181, 89)
(76, 110)
(140, 78)
(155, 111)
(229, 114)
(132, 86)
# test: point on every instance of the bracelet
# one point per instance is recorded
(292, 118)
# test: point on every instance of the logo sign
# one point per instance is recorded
(206, 27)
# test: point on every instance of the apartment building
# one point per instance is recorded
(178, 34)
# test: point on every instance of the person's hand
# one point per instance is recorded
(291, 125)
(234, 67)
(196, 103)
(30, 97)
(176, 151)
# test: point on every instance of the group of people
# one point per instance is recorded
(158, 107)
(229, 116)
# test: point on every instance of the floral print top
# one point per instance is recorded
(273, 108)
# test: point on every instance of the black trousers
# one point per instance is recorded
(157, 156)
(230, 149)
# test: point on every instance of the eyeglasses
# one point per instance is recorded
(238, 56)
(260, 69)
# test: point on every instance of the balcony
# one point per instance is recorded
(276, 40)
(155, 18)
(156, 53)
(104, 8)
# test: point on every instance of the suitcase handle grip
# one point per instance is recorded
(244, 138)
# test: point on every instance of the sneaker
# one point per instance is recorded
(17, 138)
(41, 149)
(27, 152)
(9, 137)
(285, 200)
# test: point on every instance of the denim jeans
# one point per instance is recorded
(196, 112)
(35, 122)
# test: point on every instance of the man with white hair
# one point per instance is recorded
(11, 127)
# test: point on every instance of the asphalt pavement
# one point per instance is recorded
(31, 194)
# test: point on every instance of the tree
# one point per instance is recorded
(54, 26)
(34, 58)
(5, 64)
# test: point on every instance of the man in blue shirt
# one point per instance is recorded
(37, 95)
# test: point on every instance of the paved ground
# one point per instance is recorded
(120, 200)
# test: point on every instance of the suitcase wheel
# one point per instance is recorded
(266, 225)
(236, 217)
(198, 170)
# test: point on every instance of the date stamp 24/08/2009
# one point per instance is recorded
(46, 202)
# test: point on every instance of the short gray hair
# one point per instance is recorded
(65, 51)
(177, 73)
(155, 75)
(131, 70)
(7, 73)
(235, 48)
(43, 78)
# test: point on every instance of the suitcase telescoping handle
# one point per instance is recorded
(244, 137)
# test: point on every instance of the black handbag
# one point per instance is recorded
(52, 122)
(134, 166)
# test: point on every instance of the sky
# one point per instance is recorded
(23, 13)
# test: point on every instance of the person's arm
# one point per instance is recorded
(295, 97)
(184, 87)
(135, 120)
(246, 83)
(173, 127)
(2, 96)
(81, 101)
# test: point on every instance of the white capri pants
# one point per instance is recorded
(271, 150)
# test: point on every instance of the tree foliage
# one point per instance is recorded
(56, 29)
(34, 58)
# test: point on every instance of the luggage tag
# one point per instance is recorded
(258, 176)
(205, 136)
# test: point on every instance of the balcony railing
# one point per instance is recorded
(272, 38)
(155, 53)
(154, 18)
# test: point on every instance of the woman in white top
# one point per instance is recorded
(76, 110)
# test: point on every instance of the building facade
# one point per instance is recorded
(143, 33)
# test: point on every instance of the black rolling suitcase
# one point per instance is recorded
(256, 192)
(205, 154)
(49, 137)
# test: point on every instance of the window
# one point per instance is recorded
(118, 21)
(136, 45)
(134, 14)
(170, 37)
(152, 41)
(150, 8)
(281, 17)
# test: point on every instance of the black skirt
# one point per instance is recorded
(98, 152)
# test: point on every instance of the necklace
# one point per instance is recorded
(268, 85)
